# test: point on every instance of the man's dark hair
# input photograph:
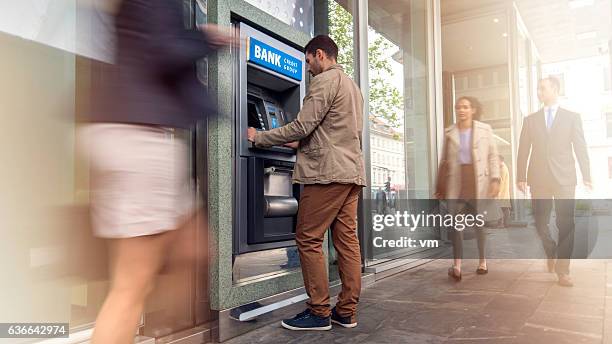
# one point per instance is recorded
(554, 82)
(324, 43)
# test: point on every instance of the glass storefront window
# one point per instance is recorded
(523, 74)
(535, 73)
(341, 26)
(399, 111)
(57, 270)
(475, 55)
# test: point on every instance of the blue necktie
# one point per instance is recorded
(549, 118)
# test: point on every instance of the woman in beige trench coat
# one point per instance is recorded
(470, 172)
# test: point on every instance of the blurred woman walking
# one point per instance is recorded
(468, 176)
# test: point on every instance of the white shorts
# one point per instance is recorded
(140, 179)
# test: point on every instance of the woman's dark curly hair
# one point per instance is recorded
(475, 104)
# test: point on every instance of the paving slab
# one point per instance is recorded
(571, 324)
(517, 302)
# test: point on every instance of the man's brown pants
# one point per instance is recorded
(334, 206)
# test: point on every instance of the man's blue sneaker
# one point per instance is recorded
(307, 321)
(348, 322)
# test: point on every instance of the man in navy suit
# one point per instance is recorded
(549, 140)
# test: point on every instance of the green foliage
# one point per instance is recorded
(385, 99)
(341, 31)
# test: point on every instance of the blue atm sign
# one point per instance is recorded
(271, 58)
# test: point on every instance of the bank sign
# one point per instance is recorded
(271, 58)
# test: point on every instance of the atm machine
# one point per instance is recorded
(268, 91)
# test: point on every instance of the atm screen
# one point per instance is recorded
(273, 121)
(255, 119)
(274, 115)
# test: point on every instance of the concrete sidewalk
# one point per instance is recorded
(517, 302)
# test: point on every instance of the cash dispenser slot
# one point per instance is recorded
(273, 201)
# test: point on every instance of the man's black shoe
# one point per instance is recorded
(306, 321)
(348, 322)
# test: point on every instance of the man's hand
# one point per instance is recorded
(251, 132)
(494, 188)
(522, 186)
(294, 144)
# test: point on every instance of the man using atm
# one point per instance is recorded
(330, 164)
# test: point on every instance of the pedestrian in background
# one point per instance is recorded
(549, 140)
(468, 176)
(381, 201)
(503, 198)
(140, 173)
